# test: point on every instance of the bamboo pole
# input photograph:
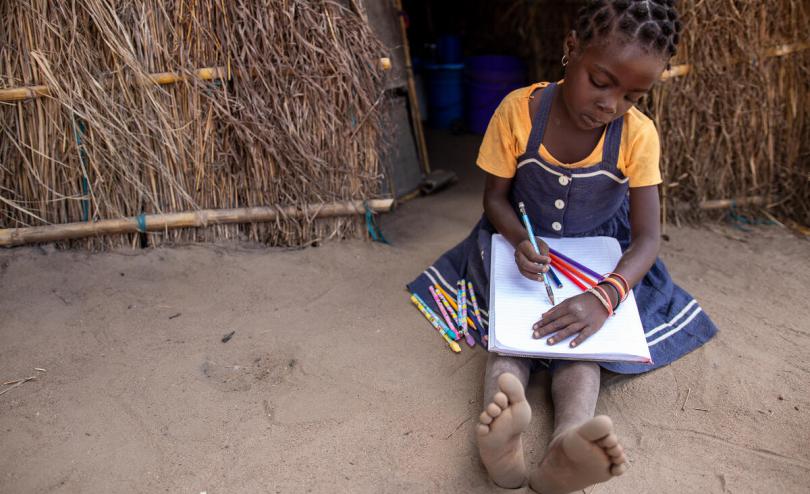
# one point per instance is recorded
(161, 78)
(192, 219)
(421, 144)
(776, 51)
(724, 203)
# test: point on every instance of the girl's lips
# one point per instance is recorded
(590, 121)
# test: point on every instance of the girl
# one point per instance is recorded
(584, 160)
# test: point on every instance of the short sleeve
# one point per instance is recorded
(642, 166)
(497, 152)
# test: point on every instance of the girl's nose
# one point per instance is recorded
(608, 107)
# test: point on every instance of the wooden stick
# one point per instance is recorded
(161, 78)
(776, 51)
(192, 219)
(421, 144)
(724, 203)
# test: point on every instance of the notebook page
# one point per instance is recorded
(517, 303)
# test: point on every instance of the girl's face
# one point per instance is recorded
(605, 78)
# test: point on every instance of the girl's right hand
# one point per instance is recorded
(531, 264)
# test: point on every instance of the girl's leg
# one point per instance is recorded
(506, 415)
(583, 450)
(574, 390)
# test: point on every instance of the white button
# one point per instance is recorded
(556, 226)
(564, 180)
(559, 203)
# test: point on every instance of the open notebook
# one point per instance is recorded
(516, 303)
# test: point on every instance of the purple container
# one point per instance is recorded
(487, 80)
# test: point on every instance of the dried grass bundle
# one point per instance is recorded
(296, 122)
(737, 125)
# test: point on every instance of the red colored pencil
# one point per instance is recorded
(567, 274)
(572, 269)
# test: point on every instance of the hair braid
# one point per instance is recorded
(653, 23)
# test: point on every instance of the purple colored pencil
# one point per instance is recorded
(572, 262)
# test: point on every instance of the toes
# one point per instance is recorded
(485, 418)
(482, 429)
(619, 469)
(501, 400)
(615, 451)
(597, 428)
(512, 387)
(494, 410)
(609, 442)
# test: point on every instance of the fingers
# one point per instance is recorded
(582, 336)
(544, 329)
(528, 267)
(543, 247)
(566, 332)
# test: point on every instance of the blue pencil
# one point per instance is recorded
(554, 277)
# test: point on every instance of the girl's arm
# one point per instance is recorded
(584, 314)
(500, 213)
(645, 232)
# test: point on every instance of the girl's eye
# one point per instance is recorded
(597, 84)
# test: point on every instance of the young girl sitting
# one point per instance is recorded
(584, 161)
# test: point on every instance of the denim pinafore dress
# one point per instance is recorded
(581, 202)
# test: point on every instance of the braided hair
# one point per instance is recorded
(653, 23)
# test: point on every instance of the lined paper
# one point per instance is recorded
(516, 303)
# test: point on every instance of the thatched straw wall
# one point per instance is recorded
(738, 125)
(295, 121)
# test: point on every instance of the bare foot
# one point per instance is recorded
(501, 424)
(580, 457)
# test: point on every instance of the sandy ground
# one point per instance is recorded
(332, 382)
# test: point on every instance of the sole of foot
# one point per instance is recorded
(499, 429)
(580, 457)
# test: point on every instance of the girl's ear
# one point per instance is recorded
(571, 45)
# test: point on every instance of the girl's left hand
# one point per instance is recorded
(583, 314)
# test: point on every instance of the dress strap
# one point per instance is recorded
(539, 121)
(613, 142)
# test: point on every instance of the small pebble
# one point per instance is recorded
(780, 397)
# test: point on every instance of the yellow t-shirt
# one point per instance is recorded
(507, 136)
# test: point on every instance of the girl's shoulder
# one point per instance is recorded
(515, 106)
(636, 122)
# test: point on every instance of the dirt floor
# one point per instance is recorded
(332, 381)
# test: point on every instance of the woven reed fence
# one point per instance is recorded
(736, 127)
(287, 115)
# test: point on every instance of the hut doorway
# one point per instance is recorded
(468, 55)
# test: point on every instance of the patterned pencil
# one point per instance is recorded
(442, 309)
(474, 301)
(466, 330)
(431, 317)
(448, 305)
(452, 303)
(462, 305)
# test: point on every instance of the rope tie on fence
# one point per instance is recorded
(141, 221)
(372, 226)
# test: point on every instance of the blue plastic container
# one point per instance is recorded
(487, 80)
(445, 94)
(448, 49)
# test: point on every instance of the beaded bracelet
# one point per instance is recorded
(600, 294)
